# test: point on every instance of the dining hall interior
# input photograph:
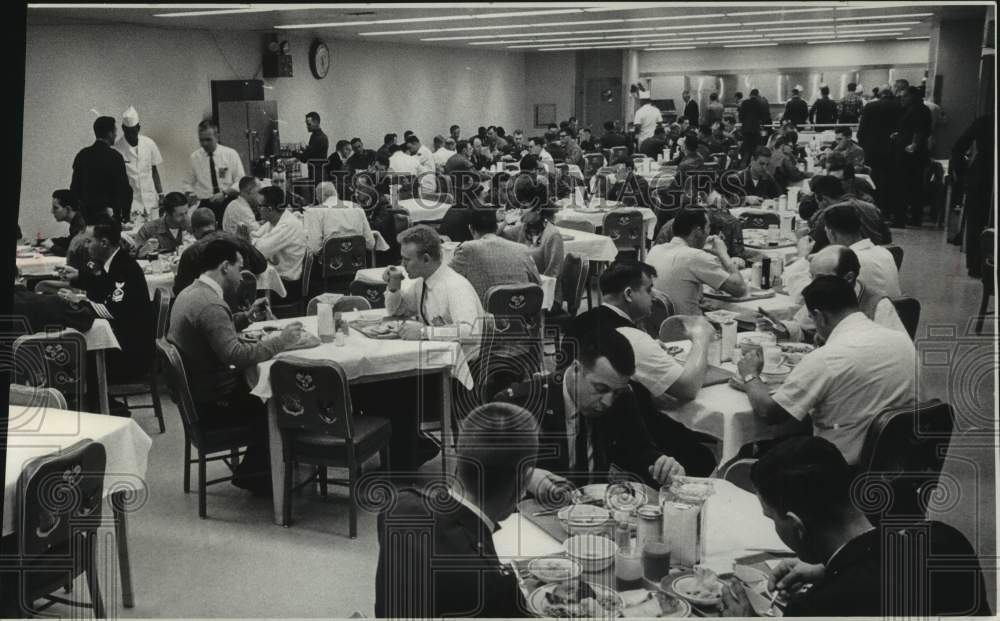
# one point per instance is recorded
(590, 309)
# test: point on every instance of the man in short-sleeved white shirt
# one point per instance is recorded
(647, 117)
(442, 155)
(843, 227)
(682, 266)
(334, 218)
(142, 157)
(862, 369)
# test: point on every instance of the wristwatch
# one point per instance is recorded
(749, 377)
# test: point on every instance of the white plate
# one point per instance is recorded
(781, 369)
(536, 601)
(562, 569)
(595, 491)
(679, 587)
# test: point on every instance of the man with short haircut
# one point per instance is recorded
(752, 113)
(142, 157)
(338, 219)
(714, 110)
(807, 489)
(337, 169)
(861, 370)
(796, 109)
(100, 180)
(753, 184)
(910, 156)
(842, 262)
(442, 155)
(828, 192)
(654, 145)
(65, 209)
(315, 153)
(205, 331)
(385, 150)
(536, 147)
(784, 162)
(517, 148)
(401, 161)
(845, 145)
(843, 227)
(460, 574)
(361, 159)
(683, 265)
(168, 233)
(572, 153)
(455, 132)
(282, 240)
(690, 157)
(879, 119)
(720, 141)
(241, 210)
(425, 162)
(851, 105)
(203, 229)
(461, 161)
(586, 140)
(613, 138)
(690, 109)
(215, 170)
(488, 259)
(647, 117)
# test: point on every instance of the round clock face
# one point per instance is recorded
(319, 60)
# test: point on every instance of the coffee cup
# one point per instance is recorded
(772, 358)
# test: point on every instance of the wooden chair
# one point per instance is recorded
(374, 293)
(215, 444)
(58, 506)
(989, 272)
(672, 329)
(577, 225)
(341, 258)
(626, 229)
(319, 427)
(54, 360)
(737, 472)
(592, 162)
(662, 309)
(246, 293)
(297, 307)
(908, 310)
(901, 460)
(518, 315)
(323, 298)
(897, 254)
(30, 396)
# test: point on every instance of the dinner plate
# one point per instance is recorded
(590, 493)
(682, 585)
(781, 369)
(536, 601)
(679, 607)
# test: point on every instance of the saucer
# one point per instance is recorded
(781, 369)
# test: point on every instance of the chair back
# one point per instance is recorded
(350, 303)
(573, 279)
(323, 298)
(517, 316)
(592, 162)
(401, 218)
(672, 329)
(60, 495)
(313, 396)
(897, 254)
(308, 261)
(737, 472)
(625, 228)
(563, 169)
(662, 309)
(30, 396)
(908, 310)
(180, 392)
(759, 220)
(161, 306)
(901, 460)
(374, 293)
(439, 197)
(343, 256)
(577, 225)
(246, 293)
(53, 360)
(616, 155)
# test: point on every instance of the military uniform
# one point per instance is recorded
(100, 181)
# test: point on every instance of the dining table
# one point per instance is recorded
(36, 431)
(364, 360)
(424, 209)
(596, 210)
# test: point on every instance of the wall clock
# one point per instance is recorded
(319, 60)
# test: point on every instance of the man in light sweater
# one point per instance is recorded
(204, 330)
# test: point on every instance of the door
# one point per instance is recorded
(602, 102)
(262, 123)
(233, 128)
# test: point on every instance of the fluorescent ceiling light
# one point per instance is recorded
(209, 12)
(434, 18)
(788, 21)
(752, 45)
(667, 49)
(697, 26)
(837, 26)
(834, 42)
(848, 33)
(629, 6)
(469, 28)
(911, 38)
(699, 16)
(77, 5)
(749, 36)
(882, 17)
(779, 12)
(547, 33)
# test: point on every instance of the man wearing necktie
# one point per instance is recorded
(213, 179)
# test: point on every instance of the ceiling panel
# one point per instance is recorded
(538, 26)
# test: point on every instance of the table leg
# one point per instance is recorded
(446, 436)
(121, 544)
(277, 452)
(100, 359)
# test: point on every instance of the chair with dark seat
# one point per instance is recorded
(319, 428)
(592, 162)
(297, 307)
(161, 306)
(373, 292)
(215, 444)
(246, 293)
(901, 460)
(672, 329)
(989, 271)
(908, 310)
(574, 281)
(662, 308)
(897, 254)
(29, 396)
(53, 360)
(518, 317)
(401, 218)
(625, 228)
(323, 298)
(57, 508)
(350, 303)
(759, 220)
(615, 155)
(340, 259)
(737, 472)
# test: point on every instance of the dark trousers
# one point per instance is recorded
(751, 140)
(242, 409)
(406, 402)
(908, 189)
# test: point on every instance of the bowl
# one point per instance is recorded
(554, 569)
(590, 494)
(593, 552)
(720, 316)
(584, 519)
(684, 587)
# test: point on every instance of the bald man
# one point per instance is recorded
(334, 217)
(842, 262)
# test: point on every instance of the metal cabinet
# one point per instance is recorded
(250, 127)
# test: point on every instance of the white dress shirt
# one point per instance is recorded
(139, 163)
(878, 268)
(284, 245)
(451, 308)
(239, 212)
(403, 163)
(885, 316)
(228, 171)
(336, 218)
(441, 157)
(862, 369)
(646, 118)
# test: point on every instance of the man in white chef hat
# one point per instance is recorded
(142, 156)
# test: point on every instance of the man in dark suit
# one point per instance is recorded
(361, 158)
(753, 184)
(910, 156)
(99, 178)
(879, 120)
(805, 487)
(796, 109)
(337, 171)
(690, 109)
(752, 113)
(315, 153)
(436, 553)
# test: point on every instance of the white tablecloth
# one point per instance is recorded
(568, 212)
(321, 219)
(373, 275)
(100, 336)
(269, 280)
(781, 305)
(723, 413)
(424, 210)
(734, 522)
(361, 356)
(589, 246)
(35, 432)
(39, 264)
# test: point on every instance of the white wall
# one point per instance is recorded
(550, 78)
(372, 88)
(784, 57)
